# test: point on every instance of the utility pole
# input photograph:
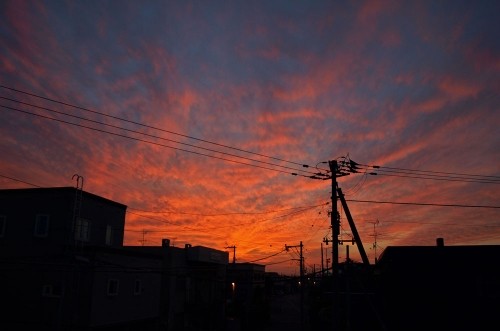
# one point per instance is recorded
(302, 283)
(375, 223)
(344, 167)
(334, 218)
(334, 221)
(234, 252)
(322, 265)
(143, 240)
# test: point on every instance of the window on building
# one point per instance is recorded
(113, 287)
(138, 287)
(82, 229)
(109, 235)
(41, 225)
(3, 224)
(47, 290)
(52, 291)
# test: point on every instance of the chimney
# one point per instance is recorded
(440, 242)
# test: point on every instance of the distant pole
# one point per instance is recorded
(302, 285)
(234, 252)
(322, 265)
(375, 242)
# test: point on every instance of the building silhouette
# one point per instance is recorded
(446, 287)
(64, 267)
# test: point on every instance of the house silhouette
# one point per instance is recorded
(62, 271)
(442, 287)
(64, 267)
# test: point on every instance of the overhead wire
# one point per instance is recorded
(279, 262)
(312, 206)
(382, 170)
(436, 172)
(20, 181)
(155, 143)
(424, 204)
(149, 126)
(141, 133)
(424, 174)
(450, 179)
(228, 214)
(267, 257)
(295, 211)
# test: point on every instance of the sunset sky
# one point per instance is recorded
(195, 114)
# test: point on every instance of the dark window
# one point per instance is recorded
(41, 225)
(82, 230)
(138, 287)
(113, 286)
(109, 235)
(3, 224)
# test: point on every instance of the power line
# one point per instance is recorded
(229, 214)
(295, 211)
(155, 143)
(18, 180)
(149, 126)
(409, 173)
(437, 172)
(436, 177)
(424, 204)
(422, 174)
(279, 262)
(267, 257)
(144, 134)
(439, 224)
(303, 208)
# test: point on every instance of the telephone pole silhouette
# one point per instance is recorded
(341, 168)
(302, 283)
(374, 246)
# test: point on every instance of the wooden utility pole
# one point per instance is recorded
(302, 282)
(335, 246)
(322, 264)
(334, 218)
(346, 167)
